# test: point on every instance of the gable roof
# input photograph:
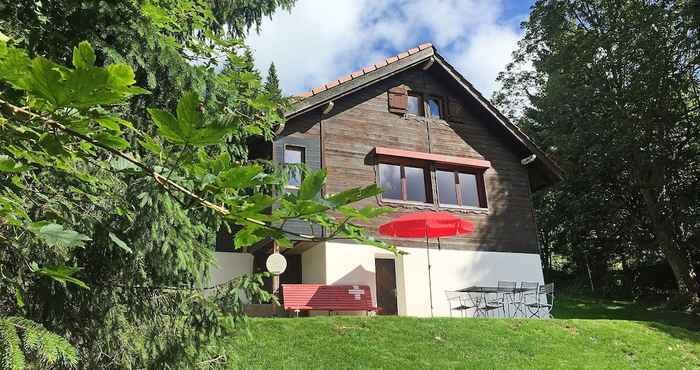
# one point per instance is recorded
(427, 55)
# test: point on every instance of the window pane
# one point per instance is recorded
(434, 107)
(414, 105)
(390, 181)
(294, 155)
(415, 184)
(446, 187)
(470, 195)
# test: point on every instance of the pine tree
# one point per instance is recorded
(272, 84)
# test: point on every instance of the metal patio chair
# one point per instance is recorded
(544, 302)
(507, 295)
(528, 294)
(458, 302)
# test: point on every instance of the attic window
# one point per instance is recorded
(434, 107)
(415, 104)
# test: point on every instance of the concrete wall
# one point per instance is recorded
(230, 265)
(345, 263)
(455, 269)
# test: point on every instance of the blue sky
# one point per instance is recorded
(320, 40)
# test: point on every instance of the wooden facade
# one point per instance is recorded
(344, 141)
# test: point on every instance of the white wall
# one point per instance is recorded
(455, 269)
(230, 265)
(313, 265)
(345, 263)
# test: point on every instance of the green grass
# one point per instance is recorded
(659, 341)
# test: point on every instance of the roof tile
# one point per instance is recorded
(361, 72)
(345, 78)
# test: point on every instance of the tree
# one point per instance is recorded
(109, 205)
(614, 95)
(272, 83)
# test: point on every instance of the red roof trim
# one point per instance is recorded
(440, 158)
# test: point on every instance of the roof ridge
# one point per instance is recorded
(365, 70)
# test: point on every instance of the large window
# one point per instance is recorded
(456, 188)
(402, 182)
(294, 155)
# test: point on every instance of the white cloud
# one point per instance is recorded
(321, 40)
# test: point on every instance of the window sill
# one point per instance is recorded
(424, 118)
(421, 205)
(465, 209)
(406, 203)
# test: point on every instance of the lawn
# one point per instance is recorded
(657, 342)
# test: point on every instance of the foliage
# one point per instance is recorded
(110, 200)
(19, 336)
(613, 94)
(272, 83)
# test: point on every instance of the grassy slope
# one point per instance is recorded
(399, 342)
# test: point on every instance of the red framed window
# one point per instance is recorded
(405, 182)
(460, 188)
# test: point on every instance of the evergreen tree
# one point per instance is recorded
(272, 83)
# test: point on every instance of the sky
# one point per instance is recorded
(321, 40)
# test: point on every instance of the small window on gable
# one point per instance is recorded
(294, 155)
(415, 104)
(434, 107)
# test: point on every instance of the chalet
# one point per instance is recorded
(415, 126)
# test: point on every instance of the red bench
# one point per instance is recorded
(310, 297)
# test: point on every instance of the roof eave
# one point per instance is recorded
(358, 83)
(522, 138)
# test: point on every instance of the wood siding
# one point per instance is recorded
(304, 132)
(361, 121)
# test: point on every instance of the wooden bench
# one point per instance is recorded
(317, 297)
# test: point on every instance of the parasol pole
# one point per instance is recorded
(430, 282)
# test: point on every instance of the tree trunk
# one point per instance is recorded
(663, 231)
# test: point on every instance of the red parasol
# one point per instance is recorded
(427, 225)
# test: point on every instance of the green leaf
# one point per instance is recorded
(151, 145)
(311, 186)
(239, 177)
(83, 55)
(111, 140)
(19, 299)
(121, 75)
(120, 243)
(56, 236)
(62, 274)
(246, 236)
(169, 126)
(354, 195)
(51, 144)
(188, 111)
(113, 123)
(8, 164)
